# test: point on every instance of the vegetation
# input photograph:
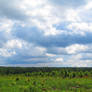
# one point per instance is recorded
(45, 79)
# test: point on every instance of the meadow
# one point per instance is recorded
(45, 80)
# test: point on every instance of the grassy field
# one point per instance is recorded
(21, 83)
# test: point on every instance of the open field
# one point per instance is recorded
(45, 82)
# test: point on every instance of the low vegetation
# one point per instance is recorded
(45, 79)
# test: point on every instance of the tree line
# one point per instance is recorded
(47, 71)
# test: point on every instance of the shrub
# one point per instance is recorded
(17, 79)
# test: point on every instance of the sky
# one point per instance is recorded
(46, 33)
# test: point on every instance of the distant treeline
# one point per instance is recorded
(47, 71)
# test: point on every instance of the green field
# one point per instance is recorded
(44, 84)
(45, 81)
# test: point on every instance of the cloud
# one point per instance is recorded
(76, 48)
(69, 3)
(61, 40)
(45, 33)
(11, 9)
(81, 28)
(14, 44)
(59, 60)
(24, 52)
(6, 53)
(76, 61)
(69, 50)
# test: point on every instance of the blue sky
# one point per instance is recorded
(46, 33)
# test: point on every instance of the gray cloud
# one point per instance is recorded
(11, 10)
(61, 40)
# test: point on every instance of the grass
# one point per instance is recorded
(21, 83)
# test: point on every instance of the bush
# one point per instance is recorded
(17, 79)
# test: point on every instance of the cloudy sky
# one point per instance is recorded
(46, 33)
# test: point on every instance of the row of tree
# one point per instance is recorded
(47, 71)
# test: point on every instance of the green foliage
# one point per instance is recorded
(44, 84)
(61, 72)
(45, 79)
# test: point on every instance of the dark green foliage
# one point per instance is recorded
(17, 79)
(46, 71)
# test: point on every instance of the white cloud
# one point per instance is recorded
(59, 60)
(88, 5)
(75, 48)
(6, 25)
(50, 55)
(6, 53)
(80, 28)
(72, 15)
(79, 19)
(14, 43)
(24, 48)
(76, 61)
(71, 49)
(42, 15)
